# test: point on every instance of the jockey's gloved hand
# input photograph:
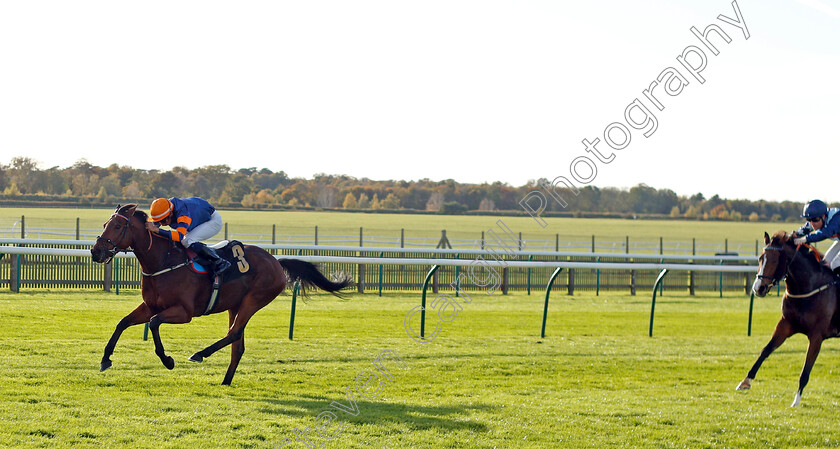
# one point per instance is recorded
(799, 241)
(805, 230)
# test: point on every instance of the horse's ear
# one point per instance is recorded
(129, 210)
(117, 210)
(766, 238)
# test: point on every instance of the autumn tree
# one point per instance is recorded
(350, 201)
(262, 187)
(391, 202)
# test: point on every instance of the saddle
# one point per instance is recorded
(234, 252)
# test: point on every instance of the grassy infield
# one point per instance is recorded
(429, 226)
(487, 380)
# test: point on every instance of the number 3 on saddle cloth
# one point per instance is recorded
(234, 252)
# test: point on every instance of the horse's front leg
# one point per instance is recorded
(141, 314)
(814, 345)
(780, 334)
(172, 315)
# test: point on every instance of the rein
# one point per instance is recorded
(787, 271)
(186, 262)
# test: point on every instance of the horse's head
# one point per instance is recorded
(774, 261)
(117, 235)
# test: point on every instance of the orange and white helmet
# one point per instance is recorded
(161, 208)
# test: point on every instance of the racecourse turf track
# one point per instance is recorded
(487, 380)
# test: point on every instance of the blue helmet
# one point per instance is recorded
(814, 209)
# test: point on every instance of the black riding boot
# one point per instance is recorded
(219, 265)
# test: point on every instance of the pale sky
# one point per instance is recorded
(470, 90)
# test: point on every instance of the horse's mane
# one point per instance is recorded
(784, 238)
(781, 236)
(143, 216)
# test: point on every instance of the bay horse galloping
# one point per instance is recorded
(810, 304)
(174, 294)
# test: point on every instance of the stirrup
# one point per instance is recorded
(214, 295)
(220, 266)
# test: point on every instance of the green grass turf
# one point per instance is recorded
(487, 380)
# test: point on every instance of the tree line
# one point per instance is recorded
(24, 180)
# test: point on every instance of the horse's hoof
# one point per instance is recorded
(168, 362)
(104, 365)
(744, 385)
(196, 358)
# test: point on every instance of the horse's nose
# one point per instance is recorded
(761, 289)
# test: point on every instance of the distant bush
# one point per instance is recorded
(452, 208)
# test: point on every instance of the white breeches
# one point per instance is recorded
(832, 256)
(204, 231)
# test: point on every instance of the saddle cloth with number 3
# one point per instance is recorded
(234, 252)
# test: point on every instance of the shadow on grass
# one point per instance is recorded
(418, 417)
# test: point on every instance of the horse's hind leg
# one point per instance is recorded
(219, 344)
(814, 345)
(237, 348)
(141, 314)
(782, 332)
(235, 333)
(172, 315)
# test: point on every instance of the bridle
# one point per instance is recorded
(773, 279)
(115, 248)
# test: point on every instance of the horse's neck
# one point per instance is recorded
(805, 274)
(154, 254)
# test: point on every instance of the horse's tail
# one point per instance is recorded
(309, 276)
